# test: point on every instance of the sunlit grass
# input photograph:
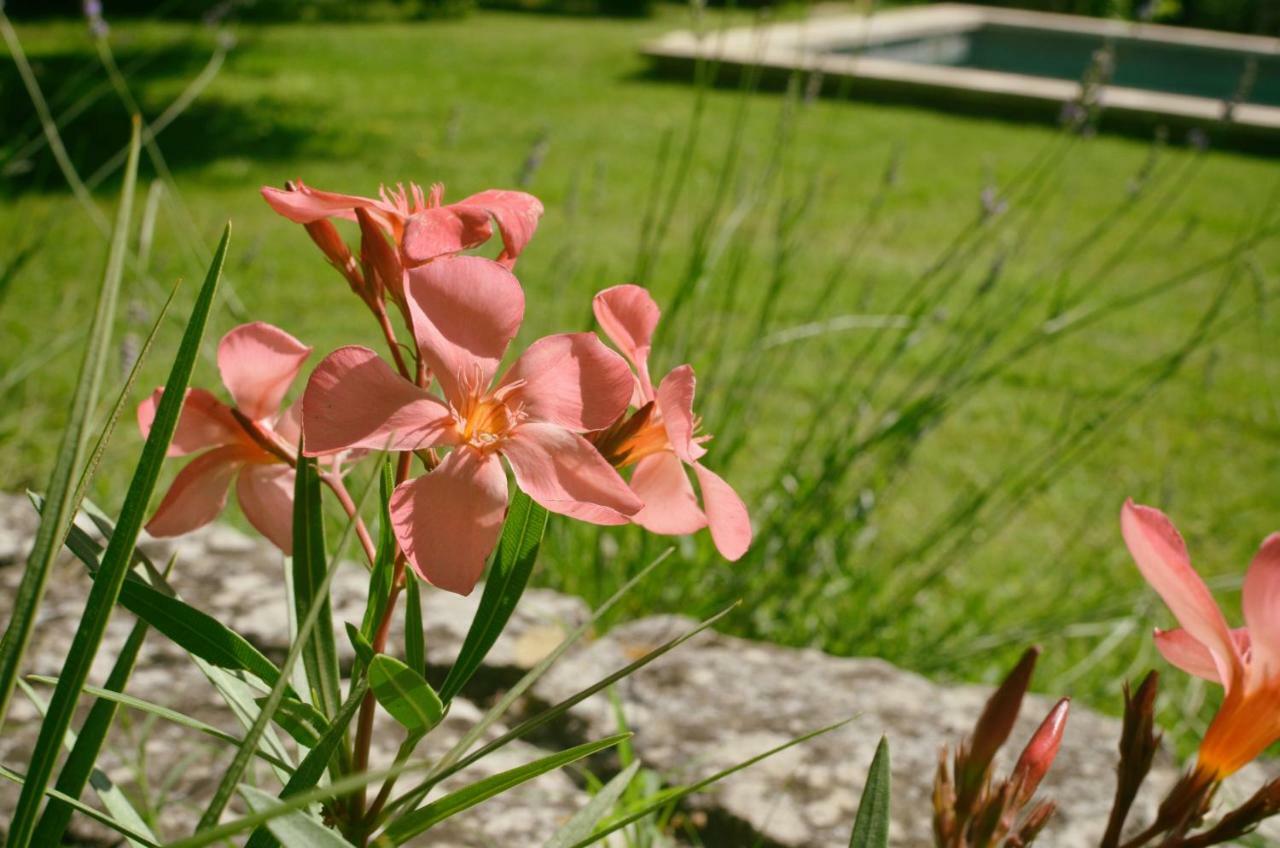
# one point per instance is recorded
(567, 104)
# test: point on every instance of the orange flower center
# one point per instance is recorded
(632, 439)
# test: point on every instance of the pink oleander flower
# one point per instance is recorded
(422, 225)
(1245, 661)
(465, 312)
(661, 438)
(249, 442)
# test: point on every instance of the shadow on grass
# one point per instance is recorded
(94, 122)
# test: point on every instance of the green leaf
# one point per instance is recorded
(83, 808)
(61, 494)
(405, 694)
(115, 562)
(408, 826)
(231, 777)
(312, 767)
(110, 795)
(668, 796)
(384, 563)
(78, 767)
(303, 722)
(364, 651)
(194, 631)
(296, 829)
(871, 827)
(584, 821)
(453, 760)
(319, 654)
(133, 702)
(415, 646)
(508, 575)
(235, 692)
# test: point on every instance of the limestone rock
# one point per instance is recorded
(718, 700)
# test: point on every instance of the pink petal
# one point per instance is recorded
(561, 470)
(443, 231)
(205, 422)
(517, 215)
(1260, 599)
(355, 399)
(199, 492)
(305, 205)
(288, 426)
(726, 513)
(265, 493)
(572, 380)
(628, 316)
(675, 403)
(1183, 651)
(466, 310)
(448, 521)
(1161, 556)
(670, 506)
(258, 363)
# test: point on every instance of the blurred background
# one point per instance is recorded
(937, 348)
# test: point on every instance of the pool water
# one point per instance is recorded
(1139, 63)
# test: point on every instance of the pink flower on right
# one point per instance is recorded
(661, 437)
(1245, 661)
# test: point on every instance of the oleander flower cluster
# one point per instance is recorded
(580, 426)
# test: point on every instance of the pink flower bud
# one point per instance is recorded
(1038, 756)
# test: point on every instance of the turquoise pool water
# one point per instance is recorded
(1139, 63)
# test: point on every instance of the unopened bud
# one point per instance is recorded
(1033, 824)
(326, 237)
(1040, 752)
(993, 729)
(382, 267)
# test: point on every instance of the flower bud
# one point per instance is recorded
(992, 730)
(1039, 754)
(382, 266)
(326, 237)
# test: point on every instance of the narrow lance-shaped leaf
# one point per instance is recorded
(508, 575)
(192, 630)
(108, 793)
(319, 654)
(419, 821)
(871, 827)
(312, 767)
(235, 770)
(296, 829)
(405, 694)
(61, 493)
(115, 561)
(669, 796)
(78, 767)
(584, 821)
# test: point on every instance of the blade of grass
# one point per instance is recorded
(115, 561)
(53, 527)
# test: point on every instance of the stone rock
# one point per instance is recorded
(718, 700)
(18, 522)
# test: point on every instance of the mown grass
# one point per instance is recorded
(941, 544)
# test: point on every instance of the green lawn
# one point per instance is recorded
(862, 552)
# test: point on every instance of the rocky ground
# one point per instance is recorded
(712, 702)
